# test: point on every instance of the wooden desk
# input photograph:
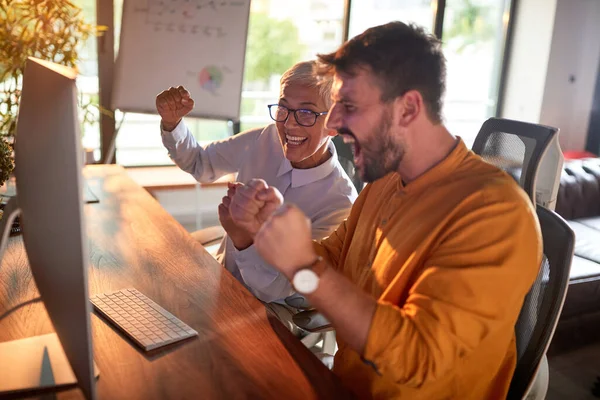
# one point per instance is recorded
(241, 352)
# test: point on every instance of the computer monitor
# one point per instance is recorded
(48, 166)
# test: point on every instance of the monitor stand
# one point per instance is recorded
(35, 363)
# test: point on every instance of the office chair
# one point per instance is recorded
(530, 153)
(543, 304)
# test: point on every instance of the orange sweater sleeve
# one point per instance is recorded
(471, 289)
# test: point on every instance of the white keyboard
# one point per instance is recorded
(144, 321)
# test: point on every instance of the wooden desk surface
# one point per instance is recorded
(241, 351)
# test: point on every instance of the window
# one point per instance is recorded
(367, 13)
(87, 82)
(296, 31)
(474, 37)
(474, 34)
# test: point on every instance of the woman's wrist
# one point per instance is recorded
(241, 242)
(169, 126)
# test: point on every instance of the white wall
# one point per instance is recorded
(555, 40)
(574, 56)
(532, 39)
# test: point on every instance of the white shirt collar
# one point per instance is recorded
(301, 177)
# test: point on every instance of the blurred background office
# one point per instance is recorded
(530, 60)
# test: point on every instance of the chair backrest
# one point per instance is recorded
(543, 304)
(516, 147)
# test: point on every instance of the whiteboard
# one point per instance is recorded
(199, 44)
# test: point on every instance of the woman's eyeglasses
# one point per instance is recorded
(306, 118)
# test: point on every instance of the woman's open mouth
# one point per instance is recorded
(295, 140)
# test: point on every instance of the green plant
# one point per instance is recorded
(472, 25)
(6, 162)
(52, 30)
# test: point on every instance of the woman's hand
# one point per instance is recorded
(239, 236)
(253, 204)
(172, 105)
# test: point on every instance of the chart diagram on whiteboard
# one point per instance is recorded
(211, 78)
(191, 16)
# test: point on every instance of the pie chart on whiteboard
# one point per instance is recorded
(211, 78)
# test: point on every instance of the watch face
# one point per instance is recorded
(305, 281)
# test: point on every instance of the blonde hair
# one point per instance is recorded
(305, 73)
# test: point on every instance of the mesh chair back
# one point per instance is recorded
(543, 304)
(516, 147)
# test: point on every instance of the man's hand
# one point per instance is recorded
(252, 205)
(172, 105)
(240, 237)
(284, 241)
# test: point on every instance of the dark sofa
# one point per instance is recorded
(578, 202)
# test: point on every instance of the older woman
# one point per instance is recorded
(295, 155)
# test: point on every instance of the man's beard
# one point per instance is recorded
(381, 153)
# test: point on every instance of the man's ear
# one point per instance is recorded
(409, 107)
(332, 132)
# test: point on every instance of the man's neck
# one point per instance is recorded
(427, 149)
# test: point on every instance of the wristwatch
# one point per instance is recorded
(306, 279)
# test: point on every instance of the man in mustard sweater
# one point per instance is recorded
(425, 279)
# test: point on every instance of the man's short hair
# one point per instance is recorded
(401, 57)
